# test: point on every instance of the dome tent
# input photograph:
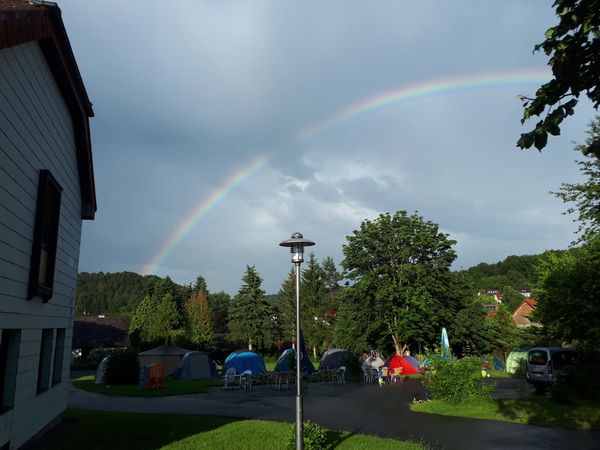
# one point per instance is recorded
(334, 358)
(398, 361)
(287, 362)
(242, 360)
(166, 355)
(195, 366)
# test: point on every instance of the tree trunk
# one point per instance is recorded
(250, 344)
(315, 352)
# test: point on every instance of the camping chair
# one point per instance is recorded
(246, 380)
(339, 375)
(156, 376)
(395, 374)
(230, 377)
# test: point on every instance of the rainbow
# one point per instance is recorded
(201, 209)
(425, 89)
(377, 102)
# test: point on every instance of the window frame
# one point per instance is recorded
(45, 237)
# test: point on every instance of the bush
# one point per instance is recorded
(122, 367)
(315, 437)
(458, 380)
(98, 354)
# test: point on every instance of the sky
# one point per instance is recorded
(222, 127)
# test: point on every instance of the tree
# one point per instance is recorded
(199, 319)
(219, 305)
(314, 305)
(286, 307)
(155, 319)
(331, 277)
(403, 264)
(511, 298)
(504, 333)
(470, 331)
(250, 316)
(574, 50)
(200, 285)
(568, 299)
(586, 196)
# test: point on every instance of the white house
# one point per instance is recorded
(46, 190)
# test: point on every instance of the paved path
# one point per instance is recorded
(355, 407)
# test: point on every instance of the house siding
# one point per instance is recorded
(36, 132)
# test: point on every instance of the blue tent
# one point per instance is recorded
(242, 360)
(414, 361)
(287, 362)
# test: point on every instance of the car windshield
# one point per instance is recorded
(537, 357)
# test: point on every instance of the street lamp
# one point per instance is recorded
(297, 244)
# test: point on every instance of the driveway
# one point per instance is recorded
(356, 407)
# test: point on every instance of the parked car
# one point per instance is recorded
(544, 364)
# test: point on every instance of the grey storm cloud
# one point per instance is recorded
(189, 94)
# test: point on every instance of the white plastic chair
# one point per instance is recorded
(230, 377)
(246, 380)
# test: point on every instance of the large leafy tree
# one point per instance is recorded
(573, 46)
(155, 318)
(199, 319)
(250, 315)
(402, 263)
(585, 196)
(568, 295)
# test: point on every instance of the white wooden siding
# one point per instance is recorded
(36, 132)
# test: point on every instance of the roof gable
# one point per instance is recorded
(22, 22)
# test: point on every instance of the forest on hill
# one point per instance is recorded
(118, 294)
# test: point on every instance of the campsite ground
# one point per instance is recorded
(354, 407)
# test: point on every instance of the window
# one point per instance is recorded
(59, 352)
(10, 341)
(43, 382)
(45, 237)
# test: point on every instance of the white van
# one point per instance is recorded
(543, 365)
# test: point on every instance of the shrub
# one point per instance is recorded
(122, 367)
(98, 354)
(315, 437)
(458, 380)
(580, 379)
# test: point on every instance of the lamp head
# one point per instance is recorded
(297, 244)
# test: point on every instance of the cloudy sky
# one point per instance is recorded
(222, 127)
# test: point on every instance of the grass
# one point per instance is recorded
(172, 387)
(136, 431)
(528, 410)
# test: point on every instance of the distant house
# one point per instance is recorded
(525, 292)
(46, 190)
(495, 293)
(99, 331)
(522, 313)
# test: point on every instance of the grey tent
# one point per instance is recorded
(166, 355)
(334, 358)
(194, 366)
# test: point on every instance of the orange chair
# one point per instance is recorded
(156, 376)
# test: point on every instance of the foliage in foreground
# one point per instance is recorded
(459, 380)
(527, 410)
(94, 430)
(314, 436)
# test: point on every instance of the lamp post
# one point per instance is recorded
(297, 244)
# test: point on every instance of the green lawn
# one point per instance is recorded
(528, 410)
(93, 430)
(172, 387)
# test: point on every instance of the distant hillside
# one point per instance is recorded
(111, 293)
(515, 271)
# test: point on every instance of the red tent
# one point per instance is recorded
(399, 361)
